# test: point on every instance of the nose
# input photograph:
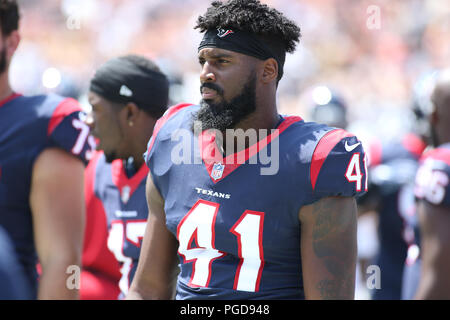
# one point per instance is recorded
(207, 74)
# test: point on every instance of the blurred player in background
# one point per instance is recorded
(328, 108)
(44, 144)
(393, 165)
(240, 233)
(433, 193)
(128, 94)
(422, 108)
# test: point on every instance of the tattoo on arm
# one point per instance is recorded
(334, 243)
(333, 289)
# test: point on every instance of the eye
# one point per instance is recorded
(223, 61)
(201, 61)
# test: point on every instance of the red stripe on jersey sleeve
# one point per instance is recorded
(440, 154)
(159, 124)
(414, 144)
(66, 107)
(323, 149)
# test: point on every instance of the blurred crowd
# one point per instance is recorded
(371, 52)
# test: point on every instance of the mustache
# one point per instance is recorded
(212, 86)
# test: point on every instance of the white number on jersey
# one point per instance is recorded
(430, 184)
(199, 225)
(82, 136)
(132, 231)
(353, 173)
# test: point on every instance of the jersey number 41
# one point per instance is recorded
(198, 225)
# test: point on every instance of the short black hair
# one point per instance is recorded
(9, 16)
(254, 17)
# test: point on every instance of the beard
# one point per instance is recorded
(226, 115)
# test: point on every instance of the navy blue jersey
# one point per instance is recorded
(13, 284)
(433, 177)
(431, 185)
(28, 126)
(124, 203)
(236, 218)
(392, 171)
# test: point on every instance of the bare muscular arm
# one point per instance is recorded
(57, 204)
(155, 276)
(328, 248)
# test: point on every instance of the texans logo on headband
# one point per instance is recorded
(221, 33)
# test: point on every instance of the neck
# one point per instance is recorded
(266, 113)
(265, 117)
(142, 134)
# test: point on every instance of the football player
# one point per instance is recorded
(249, 203)
(44, 145)
(433, 193)
(128, 94)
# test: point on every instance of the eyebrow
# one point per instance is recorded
(216, 55)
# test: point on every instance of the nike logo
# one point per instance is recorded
(125, 91)
(352, 147)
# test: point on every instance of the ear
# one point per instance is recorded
(270, 70)
(12, 42)
(132, 113)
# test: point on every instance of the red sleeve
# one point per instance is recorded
(322, 151)
(65, 108)
(67, 130)
(338, 166)
(97, 260)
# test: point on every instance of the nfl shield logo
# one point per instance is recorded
(125, 194)
(217, 171)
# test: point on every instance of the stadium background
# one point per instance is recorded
(372, 52)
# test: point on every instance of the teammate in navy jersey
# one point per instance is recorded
(43, 147)
(243, 229)
(433, 193)
(392, 168)
(100, 273)
(128, 94)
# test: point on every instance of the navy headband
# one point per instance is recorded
(121, 80)
(242, 42)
